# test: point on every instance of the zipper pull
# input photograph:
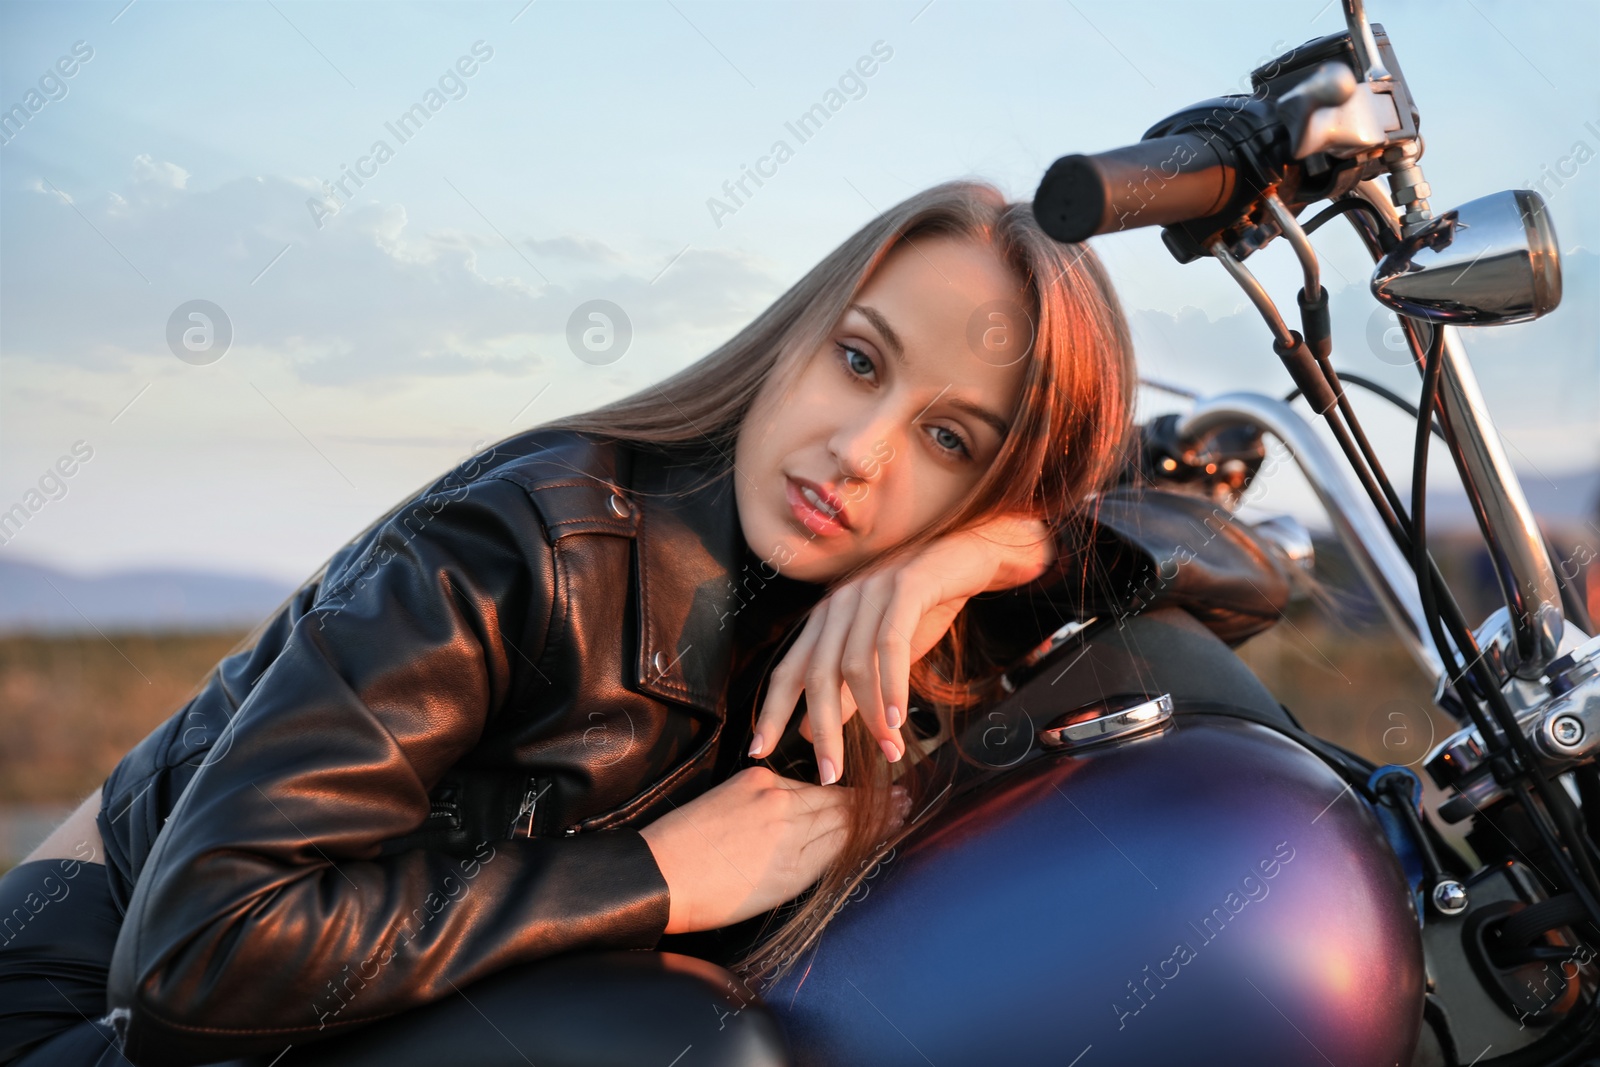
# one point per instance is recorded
(522, 825)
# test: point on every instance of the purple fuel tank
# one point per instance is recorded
(1210, 893)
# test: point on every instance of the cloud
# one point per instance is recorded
(38, 186)
(168, 175)
(576, 249)
(364, 301)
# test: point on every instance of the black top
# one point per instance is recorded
(771, 614)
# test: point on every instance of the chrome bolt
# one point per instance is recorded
(1450, 897)
(1567, 730)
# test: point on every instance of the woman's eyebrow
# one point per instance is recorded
(1001, 426)
(874, 316)
(892, 339)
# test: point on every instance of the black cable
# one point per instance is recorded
(1344, 206)
(1378, 234)
(1397, 786)
(1317, 325)
(1430, 583)
(1363, 460)
(1381, 390)
(1579, 869)
(1367, 451)
(1400, 531)
(1419, 488)
(1353, 455)
(1309, 366)
(1523, 762)
(1509, 754)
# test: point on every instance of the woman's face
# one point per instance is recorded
(893, 420)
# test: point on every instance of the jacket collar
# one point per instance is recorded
(688, 545)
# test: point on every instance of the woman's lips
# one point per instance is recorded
(817, 521)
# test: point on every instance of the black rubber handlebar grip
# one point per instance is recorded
(1152, 183)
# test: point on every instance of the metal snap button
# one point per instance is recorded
(660, 662)
(620, 507)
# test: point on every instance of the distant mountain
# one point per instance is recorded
(1566, 503)
(34, 597)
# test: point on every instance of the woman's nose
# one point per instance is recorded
(860, 447)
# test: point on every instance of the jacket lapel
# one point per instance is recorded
(688, 542)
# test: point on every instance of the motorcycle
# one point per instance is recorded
(1147, 860)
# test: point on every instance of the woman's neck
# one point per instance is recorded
(766, 603)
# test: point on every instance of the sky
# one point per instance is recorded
(378, 334)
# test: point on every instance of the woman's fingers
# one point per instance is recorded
(748, 844)
(823, 683)
(863, 671)
(900, 618)
(786, 682)
(847, 711)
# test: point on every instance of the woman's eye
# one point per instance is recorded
(857, 361)
(950, 441)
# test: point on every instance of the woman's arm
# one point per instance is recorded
(265, 915)
(866, 634)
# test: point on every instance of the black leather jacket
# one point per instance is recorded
(435, 761)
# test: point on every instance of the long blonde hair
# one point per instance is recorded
(1066, 443)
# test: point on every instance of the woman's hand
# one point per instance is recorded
(867, 634)
(747, 845)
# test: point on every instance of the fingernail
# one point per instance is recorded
(902, 803)
(829, 775)
(891, 715)
(891, 751)
(755, 746)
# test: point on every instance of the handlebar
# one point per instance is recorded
(1153, 183)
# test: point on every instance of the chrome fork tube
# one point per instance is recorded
(1516, 547)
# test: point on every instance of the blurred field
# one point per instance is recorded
(1359, 689)
(71, 705)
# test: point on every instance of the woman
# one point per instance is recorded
(506, 721)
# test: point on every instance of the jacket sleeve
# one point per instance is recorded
(266, 915)
(1144, 548)
(1009, 623)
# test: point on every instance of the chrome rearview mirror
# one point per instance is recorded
(1490, 261)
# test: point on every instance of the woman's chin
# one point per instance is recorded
(802, 560)
(798, 553)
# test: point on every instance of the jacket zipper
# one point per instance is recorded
(444, 809)
(525, 823)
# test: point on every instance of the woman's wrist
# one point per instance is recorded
(1021, 549)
